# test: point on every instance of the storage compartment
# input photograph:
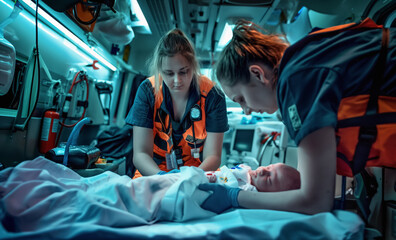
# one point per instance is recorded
(7, 65)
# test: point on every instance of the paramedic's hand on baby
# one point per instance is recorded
(221, 199)
(173, 171)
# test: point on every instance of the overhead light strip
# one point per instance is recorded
(226, 36)
(70, 35)
(135, 8)
(65, 41)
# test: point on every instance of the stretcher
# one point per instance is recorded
(41, 199)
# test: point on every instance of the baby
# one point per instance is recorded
(272, 178)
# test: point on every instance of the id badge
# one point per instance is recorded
(171, 160)
(170, 143)
(195, 152)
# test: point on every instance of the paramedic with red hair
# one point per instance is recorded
(335, 91)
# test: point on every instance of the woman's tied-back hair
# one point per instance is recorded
(172, 43)
(248, 46)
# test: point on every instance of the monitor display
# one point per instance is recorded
(243, 141)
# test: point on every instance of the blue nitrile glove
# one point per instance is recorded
(172, 171)
(222, 198)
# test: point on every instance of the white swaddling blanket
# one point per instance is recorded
(236, 177)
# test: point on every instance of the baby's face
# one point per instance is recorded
(274, 178)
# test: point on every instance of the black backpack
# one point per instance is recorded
(116, 143)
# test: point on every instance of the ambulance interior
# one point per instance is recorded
(68, 78)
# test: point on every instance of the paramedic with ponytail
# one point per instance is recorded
(335, 91)
(178, 116)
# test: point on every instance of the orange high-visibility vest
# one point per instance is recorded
(162, 124)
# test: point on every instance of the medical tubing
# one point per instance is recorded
(66, 105)
(73, 137)
(50, 90)
(75, 81)
(35, 52)
(36, 59)
(274, 142)
(261, 154)
(67, 101)
(66, 108)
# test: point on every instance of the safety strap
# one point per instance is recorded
(368, 120)
(368, 134)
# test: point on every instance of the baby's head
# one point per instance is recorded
(275, 178)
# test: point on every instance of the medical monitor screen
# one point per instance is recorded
(243, 141)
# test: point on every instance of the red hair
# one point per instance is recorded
(248, 46)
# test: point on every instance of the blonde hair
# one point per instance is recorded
(172, 43)
(248, 45)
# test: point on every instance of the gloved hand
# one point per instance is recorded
(172, 171)
(222, 198)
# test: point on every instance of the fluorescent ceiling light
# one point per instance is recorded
(33, 22)
(51, 33)
(8, 5)
(75, 49)
(70, 35)
(226, 36)
(135, 8)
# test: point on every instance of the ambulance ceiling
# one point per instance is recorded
(204, 20)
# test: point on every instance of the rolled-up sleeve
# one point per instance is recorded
(141, 112)
(216, 111)
(305, 110)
